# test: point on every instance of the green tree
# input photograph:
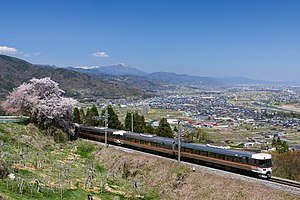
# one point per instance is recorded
(92, 116)
(164, 129)
(139, 124)
(274, 142)
(128, 121)
(281, 146)
(176, 129)
(82, 115)
(198, 135)
(201, 136)
(149, 129)
(76, 116)
(95, 115)
(88, 117)
(113, 120)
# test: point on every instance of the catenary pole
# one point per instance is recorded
(179, 135)
(131, 121)
(106, 125)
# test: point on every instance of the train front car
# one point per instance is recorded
(263, 164)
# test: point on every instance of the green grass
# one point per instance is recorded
(100, 169)
(85, 150)
(69, 194)
(71, 161)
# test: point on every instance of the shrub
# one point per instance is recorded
(287, 165)
(85, 150)
(60, 137)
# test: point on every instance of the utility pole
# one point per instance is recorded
(179, 135)
(106, 126)
(131, 121)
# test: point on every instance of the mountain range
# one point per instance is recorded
(14, 71)
(166, 77)
(113, 81)
(118, 69)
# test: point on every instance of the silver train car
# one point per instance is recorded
(245, 162)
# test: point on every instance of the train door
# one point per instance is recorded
(173, 148)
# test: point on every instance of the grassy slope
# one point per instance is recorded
(119, 171)
(62, 169)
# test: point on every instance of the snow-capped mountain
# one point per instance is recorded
(118, 69)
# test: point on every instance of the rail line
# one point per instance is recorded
(293, 186)
(285, 182)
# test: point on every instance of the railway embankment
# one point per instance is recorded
(188, 181)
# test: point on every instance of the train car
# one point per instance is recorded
(259, 164)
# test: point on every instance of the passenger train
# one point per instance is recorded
(246, 162)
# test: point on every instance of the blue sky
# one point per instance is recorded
(256, 39)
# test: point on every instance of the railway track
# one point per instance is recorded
(274, 182)
(285, 182)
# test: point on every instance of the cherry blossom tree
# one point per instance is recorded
(42, 101)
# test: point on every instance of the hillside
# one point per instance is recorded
(14, 71)
(140, 82)
(75, 169)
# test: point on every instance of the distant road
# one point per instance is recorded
(12, 119)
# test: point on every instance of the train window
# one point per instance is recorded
(212, 155)
(162, 145)
(237, 159)
(251, 162)
(265, 163)
(153, 144)
(221, 156)
(203, 153)
(244, 160)
(188, 150)
(168, 146)
(197, 152)
(229, 158)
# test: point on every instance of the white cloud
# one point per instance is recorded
(27, 55)
(37, 53)
(100, 54)
(8, 50)
(87, 67)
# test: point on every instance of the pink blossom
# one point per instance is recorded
(41, 100)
